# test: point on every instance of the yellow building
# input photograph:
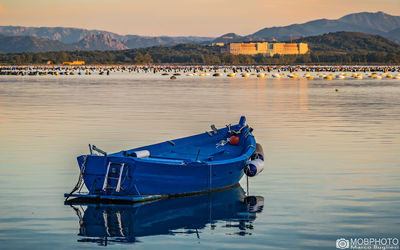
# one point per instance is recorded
(218, 44)
(247, 48)
(74, 63)
(303, 48)
(267, 48)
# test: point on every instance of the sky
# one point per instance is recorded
(181, 17)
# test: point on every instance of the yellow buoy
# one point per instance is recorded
(231, 75)
(261, 75)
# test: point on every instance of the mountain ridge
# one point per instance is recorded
(67, 39)
(376, 23)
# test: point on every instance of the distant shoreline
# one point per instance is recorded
(182, 65)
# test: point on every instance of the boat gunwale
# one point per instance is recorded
(168, 161)
(246, 155)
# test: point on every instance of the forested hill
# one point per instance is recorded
(354, 42)
(332, 48)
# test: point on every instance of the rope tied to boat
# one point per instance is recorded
(80, 179)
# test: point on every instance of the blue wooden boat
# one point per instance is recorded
(210, 161)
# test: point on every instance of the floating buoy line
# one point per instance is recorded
(328, 73)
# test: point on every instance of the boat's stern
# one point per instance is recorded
(106, 174)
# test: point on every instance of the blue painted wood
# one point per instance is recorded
(190, 164)
(114, 197)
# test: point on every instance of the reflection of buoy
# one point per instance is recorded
(217, 74)
(256, 203)
(172, 77)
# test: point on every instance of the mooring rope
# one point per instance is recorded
(79, 183)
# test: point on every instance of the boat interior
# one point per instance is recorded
(208, 146)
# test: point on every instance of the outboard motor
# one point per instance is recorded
(256, 165)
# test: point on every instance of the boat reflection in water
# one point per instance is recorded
(103, 223)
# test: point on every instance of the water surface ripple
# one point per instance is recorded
(332, 159)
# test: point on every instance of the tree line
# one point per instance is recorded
(190, 54)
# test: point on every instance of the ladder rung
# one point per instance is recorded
(107, 177)
(120, 176)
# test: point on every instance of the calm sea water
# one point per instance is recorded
(332, 160)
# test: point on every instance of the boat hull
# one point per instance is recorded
(198, 163)
(149, 178)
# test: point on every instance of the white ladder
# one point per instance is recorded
(107, 177)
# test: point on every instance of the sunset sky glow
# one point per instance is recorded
(181, 17)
